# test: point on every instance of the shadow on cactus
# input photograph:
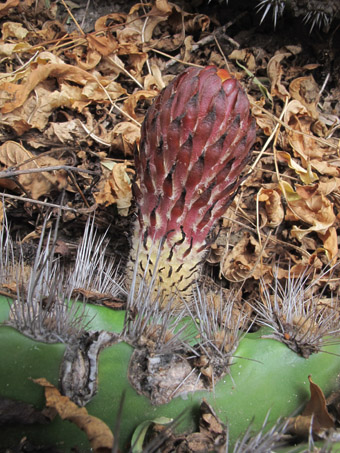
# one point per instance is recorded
(177, 343)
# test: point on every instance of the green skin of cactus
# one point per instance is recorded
(265, 375)
(195, 143)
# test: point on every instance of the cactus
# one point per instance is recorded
(195, 143)
(315, 13)
(172, 346)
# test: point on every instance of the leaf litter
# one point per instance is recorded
(71, 106)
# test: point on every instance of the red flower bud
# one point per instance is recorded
(195, 143)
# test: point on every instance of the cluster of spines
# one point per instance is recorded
(43, 308)
(317, 13)
(296, 312)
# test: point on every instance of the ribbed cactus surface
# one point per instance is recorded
(195, 143)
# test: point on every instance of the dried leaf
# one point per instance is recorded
(129, 134)
(244, 55)
(240, 262)
(315, 414)
(98, 433)
(300, 137)
(131, 103)
(8, 49)
(92, 89)
(264, 120)
(115, 186)
(4, 7)
(104, 45)
(13, 30)
(274, 71)
(306, 90)
(330, 243)
(37, 184)
(306, 175)
(273, 206)
(312, 207)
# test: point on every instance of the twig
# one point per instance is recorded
(50, 205)
(4, 76)
(73, 18)
(269, 139)
(11, 173)
(203, 42)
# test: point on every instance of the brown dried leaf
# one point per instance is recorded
(302, 141)
(306, 90)
(8, 49)
(50, 66)
(273, 206)
(131, 103)
(5, 7)
(241, 262)
(128, 133)
(115, 186)
(307, 175)
(66, 132)
(309, 205)
(330, 242)
(98, 433)
(244, 55)
(315, 413)
(104, 45)
(263, 119)
(275, 72)
(37, 184)
(13, 30)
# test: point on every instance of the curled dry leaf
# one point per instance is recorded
(263, 119)
(8, 49)
(275, 72)
(330, 242)
(97, 432)
(66, 132)
(37, 184)
(301, 139)
(315, 414)
(311, 207)
(125, 135)
(273, 206)
(244, 55)
(131, 103)
(244, 260)
(4, 7)
(22, 109)
(306, 174)
(115, 186)
(102, 44)
(13, 30)
(306, 90)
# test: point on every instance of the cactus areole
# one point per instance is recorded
(195, 143)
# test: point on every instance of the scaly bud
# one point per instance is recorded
(195, 143)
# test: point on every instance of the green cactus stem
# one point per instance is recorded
(265, 376)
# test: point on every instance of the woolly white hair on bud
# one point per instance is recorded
(40, 310)
(93, 271)
(297, 315)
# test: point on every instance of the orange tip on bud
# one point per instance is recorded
(223, 74)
